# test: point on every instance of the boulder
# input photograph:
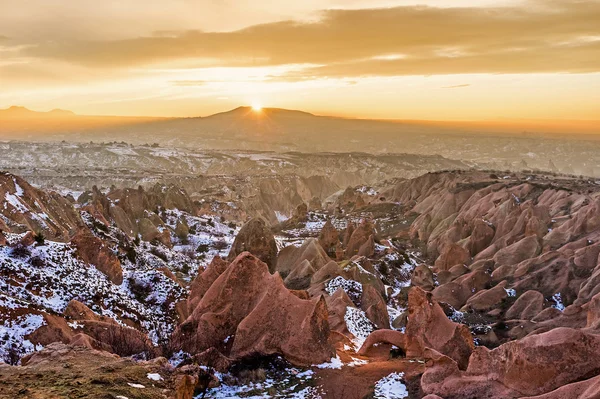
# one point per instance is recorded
(527, 306)
(256, 237)
(486, 300)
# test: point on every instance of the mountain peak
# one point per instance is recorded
(246, 110)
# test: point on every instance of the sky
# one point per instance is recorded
(392, 59)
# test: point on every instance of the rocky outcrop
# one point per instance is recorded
(247, 311)
(69, 371)
(527, 306)
(531, 366)
(452, 254)
(390, 337)
(204, 280)
(26, 208)
(94, 251)
(428, 327)
(329, 238)
(256, 237)
(298, 264)
(422, 277)
(359, 237)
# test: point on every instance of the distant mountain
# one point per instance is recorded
(19, 122)
(274, 129)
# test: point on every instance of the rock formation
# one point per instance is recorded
(256, 238)
(248, 311)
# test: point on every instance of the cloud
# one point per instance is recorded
(540, 36)
(456, 86)
(185, 83)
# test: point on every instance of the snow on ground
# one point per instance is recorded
(13, 333)
(291, 383)
(358, 324)
(391, 387)
(353, 288)
(558, 303)
(51, 275)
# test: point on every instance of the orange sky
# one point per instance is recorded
(440, 60)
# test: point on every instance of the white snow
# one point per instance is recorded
(13, 333)
(391, 387)
(334, 363)
(154, 376)
(139, 386)
(358, 324)
(558, 303)
(281, 217)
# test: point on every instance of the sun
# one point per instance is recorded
(257, 107)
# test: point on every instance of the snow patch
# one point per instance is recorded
(391, 387)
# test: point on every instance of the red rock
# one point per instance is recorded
(452, 254)
(526, 248)
(391, 337)
(359, 237)
(247, 311)
(457, 292)
(481, 237)
(55, 329)
(300, 263)
(28, 239)
(428, 327)
(588, 389)
(105, 333)
(458, 270)
(527, 306)
(368, 248)
(593, 312)
(213, 358)
(539, 363)
(422, 277)
(256, 238)
(204, 280)
(329, 238)
(374, 306)
(337, 305)
(486, 300)
(94, 251)
(185, 385)
(443, 377)
(300, 277)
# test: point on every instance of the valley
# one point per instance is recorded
(245, 274)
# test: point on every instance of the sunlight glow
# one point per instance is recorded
(256, 107)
